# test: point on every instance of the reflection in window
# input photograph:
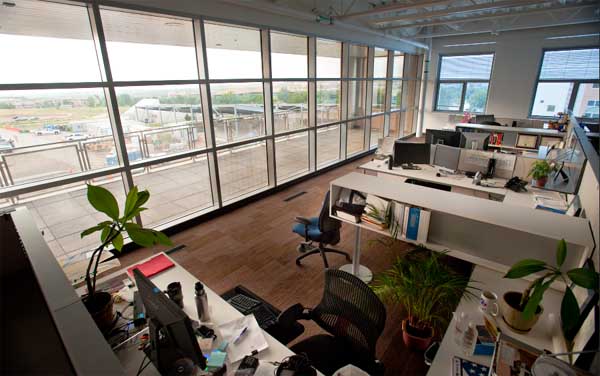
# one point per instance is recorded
(290, 105)
(449, 96)
(291, 155)
(329, 58)
(328, 144)
(160, 120)
(587, 101)
(553, 94)
(289, 56)
(148, 47)
(380, 63)
(378, 96)
(177, 189)
(35, 54)
(227, 46)
(238, 111)
(242, 170)
(376, 129)
(71, 124)
(476, 96)
(357, 64)
(356, 99)
(328, 102)
(356, 136)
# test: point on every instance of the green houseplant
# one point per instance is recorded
(427, 289)
(99, 303)
(521, 310)
(540, 170)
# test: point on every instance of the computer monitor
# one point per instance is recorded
(447, 157)
(475, 140)
(480, 119)
(171, 335)
(443, 137)
(410, 152)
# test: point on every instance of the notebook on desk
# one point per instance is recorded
(153, 266)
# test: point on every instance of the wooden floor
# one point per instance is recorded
(255, 247)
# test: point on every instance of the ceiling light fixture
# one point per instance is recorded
(469, 44)
(574, 36)
(173, 23)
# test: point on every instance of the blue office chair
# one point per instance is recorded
(322, 229)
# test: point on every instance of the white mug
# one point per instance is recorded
(488, 303)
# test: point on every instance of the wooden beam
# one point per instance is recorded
(394, 7)
(490, 16)
(454, 10)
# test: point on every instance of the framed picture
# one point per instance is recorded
(527, 141)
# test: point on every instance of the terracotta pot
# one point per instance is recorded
(541, 182)
(414, 338)
(100, 306)
(513, 316)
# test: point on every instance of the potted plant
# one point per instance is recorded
(99, 303)
(427, 289)
(539, 172)
(522, 310)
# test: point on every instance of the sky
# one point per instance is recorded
(28, 59)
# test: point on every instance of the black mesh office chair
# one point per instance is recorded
(353, 316)
(322, 229)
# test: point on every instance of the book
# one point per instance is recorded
(485, 342)
(398, 210)
(153, 266)
(463, 367)
(423, 230)
(347, 216)
(412, 223)
(513, 357)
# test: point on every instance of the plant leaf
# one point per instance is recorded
(584, 278)
(569, 314)
(536, 298)
(118, 242)
(93, 229)
(142, 198)
(524, 268)
(103, 201)
(561, 253)
(139, 235)
(130, 201)
(162, 238)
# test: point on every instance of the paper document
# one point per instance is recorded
(252, 339)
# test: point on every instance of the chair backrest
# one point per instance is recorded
(350, 310)
(329, 227)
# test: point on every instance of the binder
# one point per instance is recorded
(424, 217)
(412, 226)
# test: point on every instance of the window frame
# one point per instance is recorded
(463, 82)
(574, 91)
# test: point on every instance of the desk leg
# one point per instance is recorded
(356, 268)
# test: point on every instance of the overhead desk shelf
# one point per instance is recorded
(494, 233)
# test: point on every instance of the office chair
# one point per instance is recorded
(322, 229)
(353, 317)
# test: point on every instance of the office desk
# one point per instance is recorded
(221, 312)
(545, 335)
(462, 184)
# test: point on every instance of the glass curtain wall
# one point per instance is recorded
(120, 98)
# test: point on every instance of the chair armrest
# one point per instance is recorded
(293, 314)
(288, 328)
(303, 220)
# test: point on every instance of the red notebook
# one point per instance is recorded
(153, 266)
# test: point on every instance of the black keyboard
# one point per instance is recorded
(243, 303)
(264, 317)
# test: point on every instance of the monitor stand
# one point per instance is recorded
(163, 353)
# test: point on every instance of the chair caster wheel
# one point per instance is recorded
(298, 263)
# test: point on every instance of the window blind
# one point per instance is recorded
(581, 64)
(466, 67)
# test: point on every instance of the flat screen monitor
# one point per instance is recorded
(443, 137)
(447, 157)
(171, 335)
(480, 119)
(475, 140)
(411, 152)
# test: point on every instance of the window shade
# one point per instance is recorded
(466, 67)
(579, 64)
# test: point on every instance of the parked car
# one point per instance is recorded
(6, 145)
(76, 137)
(46, 131)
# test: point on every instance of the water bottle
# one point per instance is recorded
(459, 328)
(201, 302)
(469, 339)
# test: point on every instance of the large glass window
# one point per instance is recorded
(289, 56)
(227, 46)
(356, 136)
(357, 65)
(238, 111)
(291, 155)
(242, 170)
(463, 83)
(290, 105)
(568, 79)
(376, 129)
(160, 120)
(329, 58)
(149, 47)
(378, 104)
(380, 63)
(328, 102)
(356, 99)
(398, 65)
(328, 144)
(396, 95)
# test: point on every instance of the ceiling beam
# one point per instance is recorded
(454, 10)
(394, 7)
(502, 29)
(491, 16)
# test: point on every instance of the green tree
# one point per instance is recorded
(6, 106)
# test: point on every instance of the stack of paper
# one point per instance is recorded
(251, 340)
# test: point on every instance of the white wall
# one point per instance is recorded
(517, 59)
